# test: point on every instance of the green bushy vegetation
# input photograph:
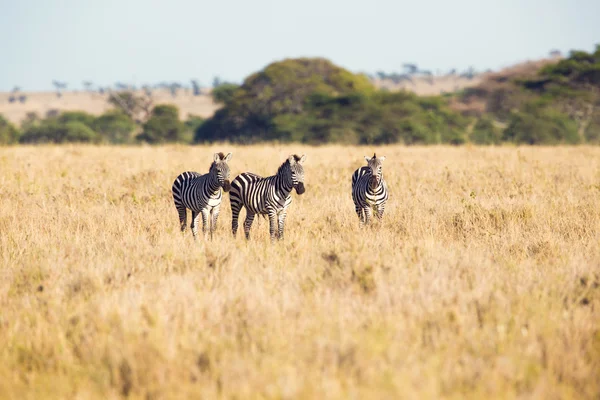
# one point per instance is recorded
(9, 134)
(313, 101)
(163, 126)
(113, 127)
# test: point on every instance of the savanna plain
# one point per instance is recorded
(482, 280)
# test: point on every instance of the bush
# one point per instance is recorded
(9, 134)
(163, 126)
(223, 93)
(114, 127)
(76, 116)
(541, 126)
(53, 131)
(485, 133)
(592, 130)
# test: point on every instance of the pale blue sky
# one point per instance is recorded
(146, 41)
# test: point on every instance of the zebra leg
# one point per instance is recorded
(213, 222)
(205, 222)
(235, 214)
(282, 216)
(380, 210)
(359, 212)
(368, 213)
(273, 225)
(181, 210)
(194, 225)
(248, 223)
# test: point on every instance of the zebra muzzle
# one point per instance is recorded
(226, 186)
(373, 182)
(300, 188)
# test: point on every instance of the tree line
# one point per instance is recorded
(311, 100)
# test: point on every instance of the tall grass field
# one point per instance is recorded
(481, 281)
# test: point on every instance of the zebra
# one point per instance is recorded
(369, 190)
(202, 194)
(269, 196)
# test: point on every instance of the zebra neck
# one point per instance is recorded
(283, 185)
(213, 183)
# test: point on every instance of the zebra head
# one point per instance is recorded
(375, 164)
(220, 168)
(297, 172)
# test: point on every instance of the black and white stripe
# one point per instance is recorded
(369, 190)
(269, 196)
(202, 194)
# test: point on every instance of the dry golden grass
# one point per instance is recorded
(481, 282)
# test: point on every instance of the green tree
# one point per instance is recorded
(163, 126)
(9, 134)
(541, 126)
(76, 116)
(485, 133)
(114, 126)
(223, 93)
(53, 131)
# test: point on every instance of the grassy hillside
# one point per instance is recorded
(481, 281)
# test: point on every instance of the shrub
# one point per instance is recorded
(114, 126)
(541, 126)
(9, 134)
(53, 131)
(163, 126)
(223, 93)
(76, 116)
(485, 133)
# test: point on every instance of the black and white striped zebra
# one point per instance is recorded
(202, 194)
(369, 190)
(269, 196)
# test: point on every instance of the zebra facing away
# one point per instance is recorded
(269, 196)
(202, 194)
(369, 190)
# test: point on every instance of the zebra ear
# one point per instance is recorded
(228, 157)
(367, 158)
(291, 159)
(216, 157)
(302, 159)
(382, 158)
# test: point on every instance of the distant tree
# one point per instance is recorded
(59, 87)
(114, 126)
(22, 98)
(9, 134)
(174, 87)
(78, 116)
(216, 82)
(52, 113)
(14, 94)
(137, 107)
(88, 85)
(196, 87)
(53, 131)
(540, 125)
(555, 53)
(163, 126)
(485, 133)
(31, 119)
(223, 93)
(410, 68)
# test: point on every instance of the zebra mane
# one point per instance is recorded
(282, 167)
(221, 155)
